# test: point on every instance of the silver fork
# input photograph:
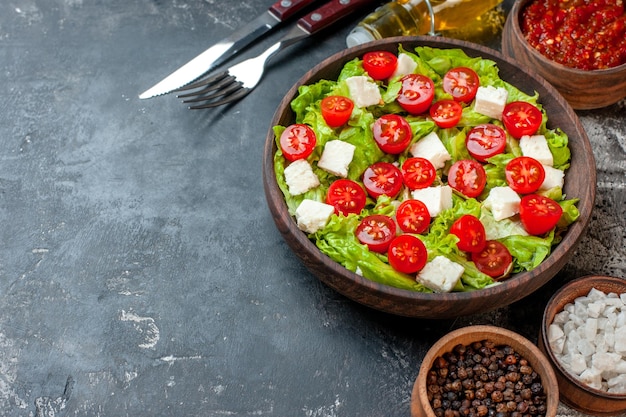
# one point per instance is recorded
(238, 80)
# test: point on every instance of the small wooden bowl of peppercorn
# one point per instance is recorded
(484, 370)
(579, 49)
(583, 334)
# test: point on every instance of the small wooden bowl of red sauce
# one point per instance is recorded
(578, 47)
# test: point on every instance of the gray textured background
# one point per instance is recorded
(140, 271)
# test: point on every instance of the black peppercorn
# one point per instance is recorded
(485, 380)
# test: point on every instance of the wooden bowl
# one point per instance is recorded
(573, 392)
(580, 182)
(582, 89)
(420, 404)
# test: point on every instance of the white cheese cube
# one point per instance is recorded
(312, 215)
(440, 274)
(436, 199)
(536, 146)
(503, 202)
(554, 178)
(336, 157)
(363, 91)
(490, 101)
(406, 65)
(300, 177)
(430, 147)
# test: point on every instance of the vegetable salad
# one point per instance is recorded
(338, 238)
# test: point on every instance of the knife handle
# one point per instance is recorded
(284, 9)
(330, 13)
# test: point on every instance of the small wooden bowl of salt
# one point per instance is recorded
(583, 334)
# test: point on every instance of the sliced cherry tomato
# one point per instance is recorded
(524, 174)
(380, 64)
(418, 172)
(471, 233)
(494, 260)
(413, 216)
(467, 177)
(407, 254)
(376, 231)
(485, 141)
(336, 110)
(382, 178)
(392, 133)
(521, 118)
(416, 94)
(446, 113)
(346, 196)
(539, 214)
(297, 141)
(461, 83)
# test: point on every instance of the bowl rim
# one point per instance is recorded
(485, 329)
(515, 15)
(573, 235)
(587, 282)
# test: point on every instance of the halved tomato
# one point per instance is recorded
(416, 94)
(524, 174)
(392, 133)
(461, 83)
(336, 110)
(382, 178)
(346, 196)
(539, 214)
(467, 177)
(376, 231)
(446, 113)
(380, 64)
(413, 216)
(494, 260)
(521, 118)
(418, 172)
(297, 141)
(486, 140)
(407, 254)
(471, 233)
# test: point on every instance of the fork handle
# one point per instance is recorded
(330, 13)
(284, 9)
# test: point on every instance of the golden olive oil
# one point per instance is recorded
(471, 20)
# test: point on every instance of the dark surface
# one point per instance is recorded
(140, 270)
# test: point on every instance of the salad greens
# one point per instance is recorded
(338, 240)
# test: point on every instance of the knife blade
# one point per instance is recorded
(277, 13)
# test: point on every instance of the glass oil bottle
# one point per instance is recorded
(470, 20)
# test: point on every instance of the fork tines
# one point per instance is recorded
(219, 89)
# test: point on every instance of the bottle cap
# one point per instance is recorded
(358, 36)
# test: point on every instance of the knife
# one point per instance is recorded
(227, 47)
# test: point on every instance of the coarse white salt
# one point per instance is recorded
(585, 347)
(620, 340)
(555, 332)
(605, 361)
(591, 328)
(595, 309)
(561, 317)
(577, 363)
(591, 377)
(617, 384)
(588, 338)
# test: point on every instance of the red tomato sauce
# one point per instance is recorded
(582, 34)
